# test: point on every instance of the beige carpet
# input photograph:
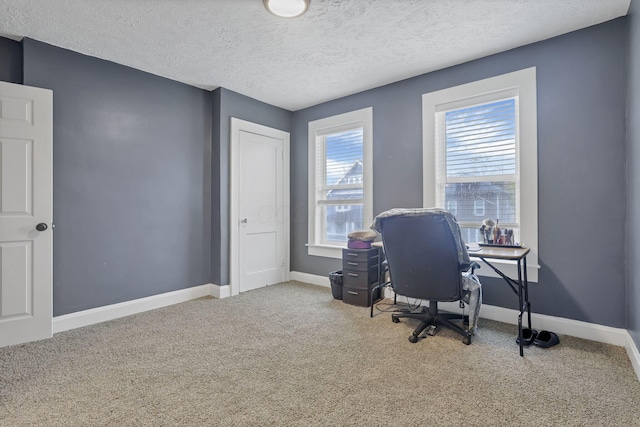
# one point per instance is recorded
(291, 355)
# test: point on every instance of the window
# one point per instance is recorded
(452, 206)
(478, 206)
(340, 180)
(480, 155)
(476, 164)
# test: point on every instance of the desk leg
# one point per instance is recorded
(381, 283)
(526, 291)
(522, 290)
(521, 308)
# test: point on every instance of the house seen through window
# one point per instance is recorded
(476, 147)
(341, 195)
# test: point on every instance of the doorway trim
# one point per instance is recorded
(238, 125)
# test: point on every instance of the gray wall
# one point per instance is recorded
(581, 156)
(131, 182)
(10, 61)
(229, 104)
(134, 185)
(633, 178)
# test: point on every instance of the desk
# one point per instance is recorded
(519, 286)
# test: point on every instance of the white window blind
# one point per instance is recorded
(477, 164)
(339, 183)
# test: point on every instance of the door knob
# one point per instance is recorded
(41, 227)
(243, 221)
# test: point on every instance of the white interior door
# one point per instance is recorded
(25, 213)
(261, 215)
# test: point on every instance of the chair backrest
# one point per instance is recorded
(422, 254)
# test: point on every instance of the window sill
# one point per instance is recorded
(326, 251)
(509, 268)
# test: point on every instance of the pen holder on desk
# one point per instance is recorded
(487, 230)
(487, 236)
(492, 234)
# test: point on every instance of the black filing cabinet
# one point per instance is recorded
(361, 272)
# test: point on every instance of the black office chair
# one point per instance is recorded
(426, 257)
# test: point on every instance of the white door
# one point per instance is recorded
(260, 195)
(25, 213)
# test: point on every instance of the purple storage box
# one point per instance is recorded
(358, 244)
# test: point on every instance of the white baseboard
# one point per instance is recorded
(634, 355)
(310, 278)
(220, 291)
(127, 308)
(559, 325)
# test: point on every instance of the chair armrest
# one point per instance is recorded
(473, 265)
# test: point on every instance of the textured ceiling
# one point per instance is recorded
(338, 48)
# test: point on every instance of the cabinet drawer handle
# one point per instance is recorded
(352, 263)
(351, 254)
(352, 293)
(353, 274)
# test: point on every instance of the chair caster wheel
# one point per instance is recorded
(395, 320)
(466, 340)
(413, 339)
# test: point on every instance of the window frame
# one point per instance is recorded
(521, 84)
(359, 118)
(476, 209)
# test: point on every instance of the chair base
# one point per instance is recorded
(431, 316)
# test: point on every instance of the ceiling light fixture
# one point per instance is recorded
(286, 8)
